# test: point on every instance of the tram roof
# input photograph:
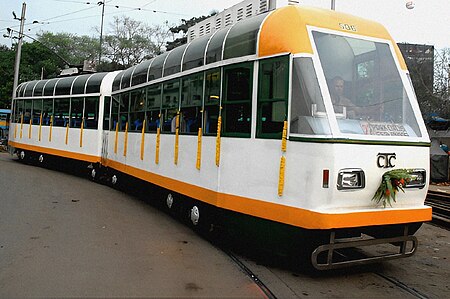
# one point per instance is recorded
(283, 30)
(83, 84)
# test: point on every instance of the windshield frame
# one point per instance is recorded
(403, 74)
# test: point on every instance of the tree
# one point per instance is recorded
(442, 82)
(7, 56)
(429, 69)
(36, 61)
(183, 28)
(131, 41)
(419, 59)
(75, 49)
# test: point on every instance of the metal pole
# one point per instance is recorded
(333, 4)
(18, 51)
(101, 32)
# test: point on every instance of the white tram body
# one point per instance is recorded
(65, 137)
(283, 151)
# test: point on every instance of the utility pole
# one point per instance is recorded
(101, 30)
(333, 5)
(19, 49)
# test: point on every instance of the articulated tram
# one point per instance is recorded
(243, 122)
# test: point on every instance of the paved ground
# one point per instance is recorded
(64, 236)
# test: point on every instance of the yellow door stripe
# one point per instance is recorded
(199, 149)
(21, 126)
(67, 133)
(40, 127)
(29, 128)
(117, 138)
(81, 132)
(125, 143)
(51, 129)
(143, 140)
(158, 141)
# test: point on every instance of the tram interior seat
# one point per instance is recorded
(153, 126)
(137, 125)
(60, 122)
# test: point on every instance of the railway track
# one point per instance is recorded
(440, 202)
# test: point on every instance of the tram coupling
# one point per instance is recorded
(335, 256)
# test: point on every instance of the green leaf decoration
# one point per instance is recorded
(391, 182)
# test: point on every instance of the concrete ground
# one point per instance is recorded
(64, 236)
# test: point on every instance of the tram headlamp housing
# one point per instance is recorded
(418, 179)
(351, 179)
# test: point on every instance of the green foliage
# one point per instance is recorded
(74, 49)
(127, 43)
(130, 42)
(391, 182)
(7, 57)
(183, 27)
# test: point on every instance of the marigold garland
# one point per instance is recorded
(391, 182)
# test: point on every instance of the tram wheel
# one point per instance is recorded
(194, 215)
(114, 180)
(169, 201)
(21, 155)
(200, 217)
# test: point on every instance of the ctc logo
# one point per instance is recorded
(386, 160)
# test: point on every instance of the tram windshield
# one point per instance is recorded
(365, 87)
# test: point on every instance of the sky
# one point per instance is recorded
(427, 23)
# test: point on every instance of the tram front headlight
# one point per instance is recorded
(418, 179)
(350, 179)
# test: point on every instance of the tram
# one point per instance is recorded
(242, 122)
(5, 114)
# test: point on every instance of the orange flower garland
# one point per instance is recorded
(391, 182)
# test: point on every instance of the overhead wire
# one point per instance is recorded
(127, 9)
(148, 3)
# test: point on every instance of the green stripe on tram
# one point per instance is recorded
(358, 141)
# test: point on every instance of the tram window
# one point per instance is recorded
(76, 112)
(272, 97)
(123, 111)
(47, 111)
(137, 110)
(153, 107)
(62, 107)
(170, 105)
(18, 111)
(91, 112)
(114, 112)
(212, 102)
(195, 53)
(156, 68)
(307, 108)
(37, 110)
(242, 37)
(237, 100)
(375, 92)
(191, 103)
(27, 111)
(215, 46)
(106, 113)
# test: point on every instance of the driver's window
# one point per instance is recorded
(307, 109)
